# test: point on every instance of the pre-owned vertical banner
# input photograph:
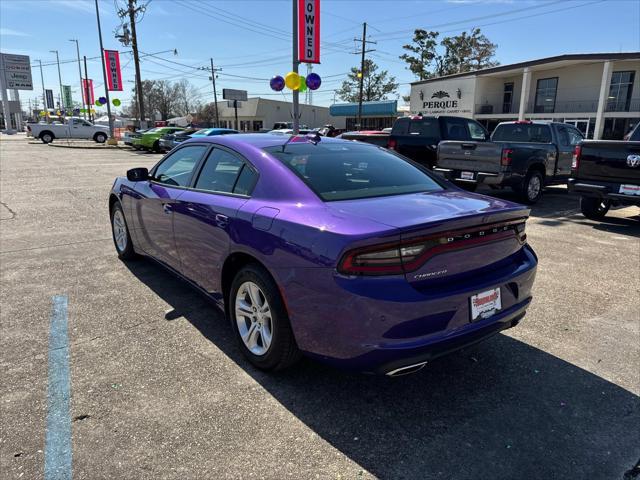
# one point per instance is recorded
(67, 101)
(114, 76)
(49, 96)
(309, 31)
(87, 85)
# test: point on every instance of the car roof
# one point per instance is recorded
(258, 140)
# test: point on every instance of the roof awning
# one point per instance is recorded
(383, 108)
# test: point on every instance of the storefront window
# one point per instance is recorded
(620, 91)
(546, 95)
(257, 125)
(507, 99)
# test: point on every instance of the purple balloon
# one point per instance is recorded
(277, 83)
(313, 81)
(103, 100)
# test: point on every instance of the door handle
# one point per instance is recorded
(222, 220)
(468, 146)
(167, 208)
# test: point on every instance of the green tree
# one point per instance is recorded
(376, 84)
(457, 54)
(424, 47)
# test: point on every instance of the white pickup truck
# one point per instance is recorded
(72, 128)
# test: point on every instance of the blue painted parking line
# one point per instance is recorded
(57, 445)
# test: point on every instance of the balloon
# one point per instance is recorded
(292, 80)
(98, 103)
(116, 102)
(276, 83)
(43, 113)
(313, 81)
(103, 100)
(303, 85)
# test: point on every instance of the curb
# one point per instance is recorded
(89, 147)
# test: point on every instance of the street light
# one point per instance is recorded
(59, 77)
(80, 73)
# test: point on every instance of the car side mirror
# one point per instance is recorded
(137, 174)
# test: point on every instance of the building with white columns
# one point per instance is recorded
(599, 93)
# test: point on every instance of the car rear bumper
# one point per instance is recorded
(382, 324)
(485, 178)
(604, 190)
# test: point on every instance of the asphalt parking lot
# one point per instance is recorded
(159, 389)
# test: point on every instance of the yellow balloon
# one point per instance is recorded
(292, 80)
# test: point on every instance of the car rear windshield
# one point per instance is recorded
(351, 170)
(423, 127)
(522, 132)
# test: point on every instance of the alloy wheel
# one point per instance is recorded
(534, 187)
(253, 318)
(119, 230)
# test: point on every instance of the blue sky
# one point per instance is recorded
(252, 38)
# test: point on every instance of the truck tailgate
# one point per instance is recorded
(470, 156)
(610, 161)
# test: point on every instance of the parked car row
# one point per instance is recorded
(164, 139)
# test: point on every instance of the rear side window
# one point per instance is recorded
(222, 173)
(522, 132)
(350, 170)
(400, 127)
(456, 128)
(178, 167)
(635, 135)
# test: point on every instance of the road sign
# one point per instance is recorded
(16, 70)
(230, 94)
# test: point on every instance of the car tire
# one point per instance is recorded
(594, 208)
(156, 147)
(100, 137)
(46, 137)
(264, 333)
(530, 190)
(120, 233)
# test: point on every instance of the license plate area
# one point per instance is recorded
(485, 304)
(466, 175)
(626, 189)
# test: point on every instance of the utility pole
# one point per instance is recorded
(215, 95)
(79, 73)
(87, 91)
(44, 94)
(59, 78)
(131, 11)
(104, 75)
(363, 50)
(296, 93)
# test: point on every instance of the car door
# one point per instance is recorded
(205, 219)
(76, 129)
(153, 210)
(568, 138)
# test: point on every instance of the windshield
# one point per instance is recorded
(522, 132)
(154, 130)
(204, 131)
(350, 170)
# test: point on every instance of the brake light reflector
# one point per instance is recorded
(505, 159)
(575, 161)
(392, 144)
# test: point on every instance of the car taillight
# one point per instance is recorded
(505, 159)
(575, 161)
(392, 144)
(406, 256)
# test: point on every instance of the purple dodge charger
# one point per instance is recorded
(339, 250)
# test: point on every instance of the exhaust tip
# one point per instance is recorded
(407, 370)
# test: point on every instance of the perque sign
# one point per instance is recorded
(114, 76)
(309, 31)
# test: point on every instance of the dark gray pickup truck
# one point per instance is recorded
(605, 173)
(523, 155)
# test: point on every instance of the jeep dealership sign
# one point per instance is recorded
(444, 97)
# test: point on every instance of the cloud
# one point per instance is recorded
(13, 33)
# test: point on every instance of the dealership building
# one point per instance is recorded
(259, 114)
(599, 93)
